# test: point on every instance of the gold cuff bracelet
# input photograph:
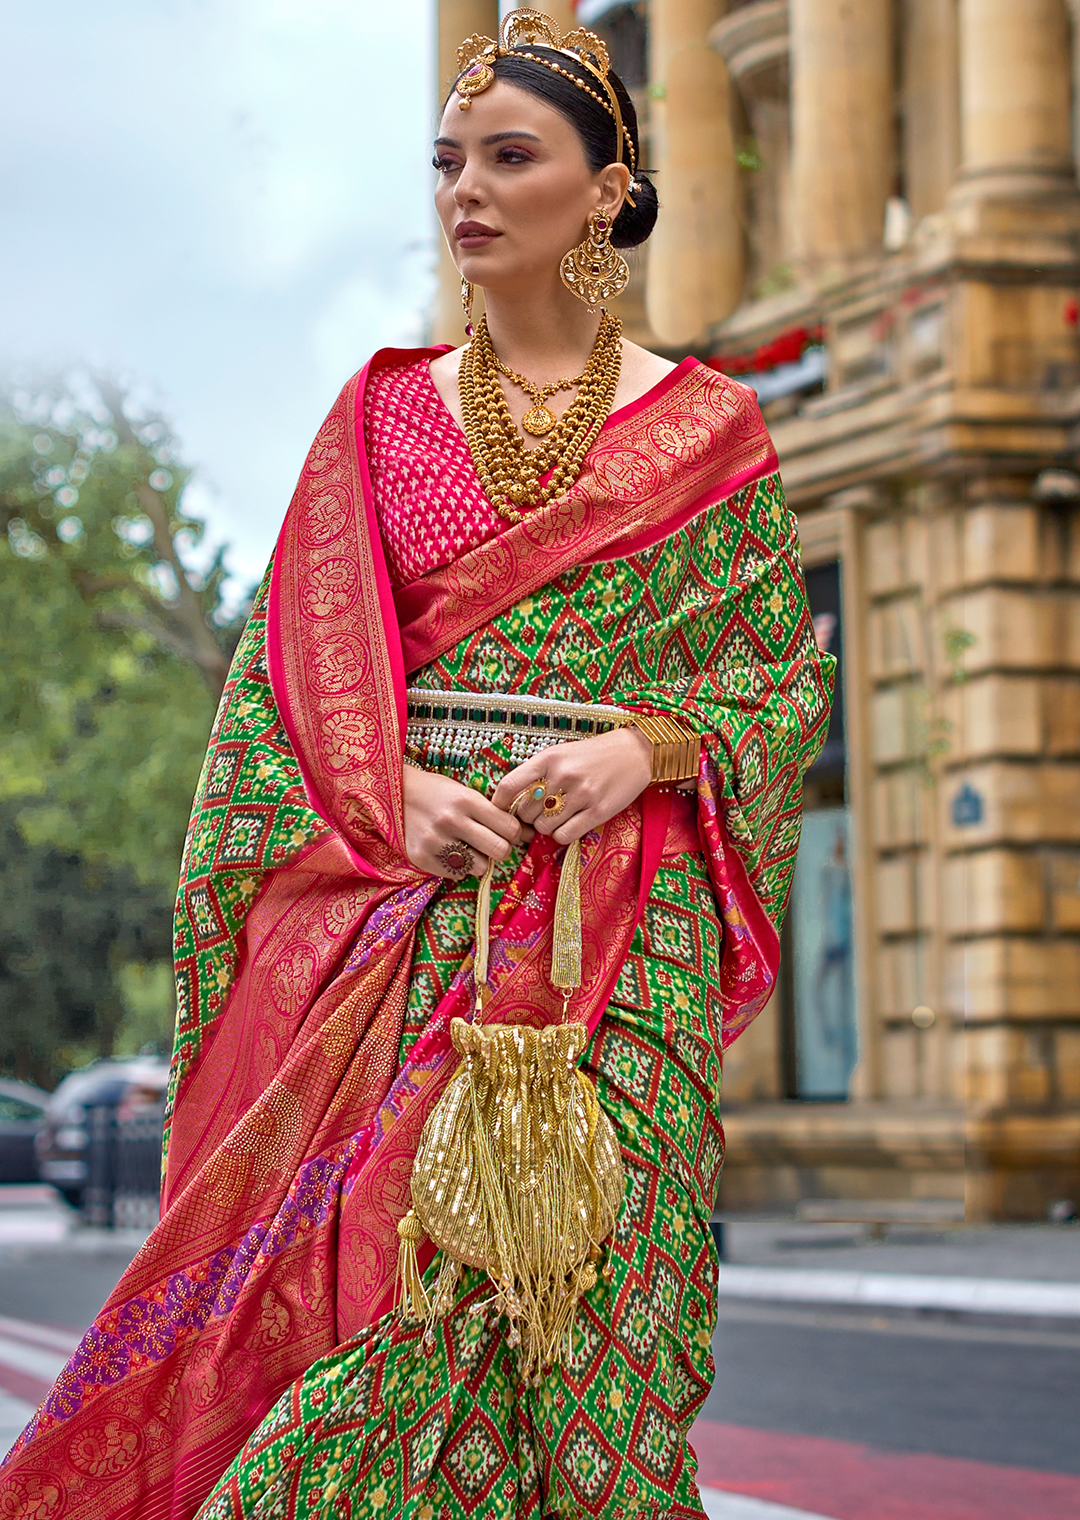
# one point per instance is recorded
(676, 749)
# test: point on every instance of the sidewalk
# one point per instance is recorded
(1031, 1252)
(1024, 1271)
(776, 1475)
(719, 1505)
(1025, 1276)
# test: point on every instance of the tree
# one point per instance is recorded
(115, 652)
(68, 931)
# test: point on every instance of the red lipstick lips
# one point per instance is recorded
(474, 234)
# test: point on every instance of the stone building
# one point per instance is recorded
(872, 215)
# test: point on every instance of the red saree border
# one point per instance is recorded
(337, 674)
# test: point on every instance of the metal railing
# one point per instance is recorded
(123, 1168)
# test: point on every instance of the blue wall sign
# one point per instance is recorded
(967, 807)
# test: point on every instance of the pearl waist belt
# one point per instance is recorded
(451, 726)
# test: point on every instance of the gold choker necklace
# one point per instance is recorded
(509, 472)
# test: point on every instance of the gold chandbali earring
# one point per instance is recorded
(466, 305)
(595, 271)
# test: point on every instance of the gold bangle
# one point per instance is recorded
(676, 748)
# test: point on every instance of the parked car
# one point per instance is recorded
(22, 1109)
(64, 1138)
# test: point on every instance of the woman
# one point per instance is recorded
(251, 1361)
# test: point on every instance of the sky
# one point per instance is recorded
(229, 202)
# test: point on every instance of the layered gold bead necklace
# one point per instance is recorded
(509, 471)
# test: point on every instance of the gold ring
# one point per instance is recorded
(456, 856)
(554, 802)
(534, 791)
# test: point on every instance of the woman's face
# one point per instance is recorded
(515, 190)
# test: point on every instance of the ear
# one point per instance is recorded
(614, 182)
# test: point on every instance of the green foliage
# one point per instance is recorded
(781, 277)
(114, 655)
(957, 642)
(749, 156)
(71, 934)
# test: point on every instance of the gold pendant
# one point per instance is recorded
(538, 420)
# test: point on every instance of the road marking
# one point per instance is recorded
(20, 1227)
(718, 1504)
(50, 1336)
(817, 1475)
(887, 1320)
(975, 1295)
(14, 1415)
(38, 1361)
(31, 1357)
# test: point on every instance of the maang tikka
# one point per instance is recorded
(593, 270)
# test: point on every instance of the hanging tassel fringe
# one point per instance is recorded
(566, 940)
(415, 1304)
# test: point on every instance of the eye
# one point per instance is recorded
(444, 164)
(514, 156)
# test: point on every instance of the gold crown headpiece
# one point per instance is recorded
(524, 28)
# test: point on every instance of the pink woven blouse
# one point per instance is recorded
(429, 501)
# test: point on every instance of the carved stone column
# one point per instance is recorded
(753, 42)
(1074, 8)
(457, 19)
(1015, 100)
(695, 269)
(842, 133)
(931, 103)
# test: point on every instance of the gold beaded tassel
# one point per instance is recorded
(414, 1301)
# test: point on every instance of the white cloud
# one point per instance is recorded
(227, 197)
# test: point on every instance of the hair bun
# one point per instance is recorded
(634, 223)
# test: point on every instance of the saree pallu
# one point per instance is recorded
(313, 1028)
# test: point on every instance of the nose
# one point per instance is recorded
(468, 188)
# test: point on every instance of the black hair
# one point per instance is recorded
(595, 126)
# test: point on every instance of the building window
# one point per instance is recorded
(819, 1044)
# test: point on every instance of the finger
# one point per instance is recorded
(511, 828)
(578, 826)
(547, 822)
(577, 795)
(477, 865)
(484, 840)
(531, 813)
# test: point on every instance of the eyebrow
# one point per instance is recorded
(486, 142)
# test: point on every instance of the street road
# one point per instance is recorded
(847, 1414)
(978, 1391)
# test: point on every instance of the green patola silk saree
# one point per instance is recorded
(251, 1363)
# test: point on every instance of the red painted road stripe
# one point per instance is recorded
(49, 1337)
(846, 1481)
(24, 1385)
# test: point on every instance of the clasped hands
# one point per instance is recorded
(597, 777)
